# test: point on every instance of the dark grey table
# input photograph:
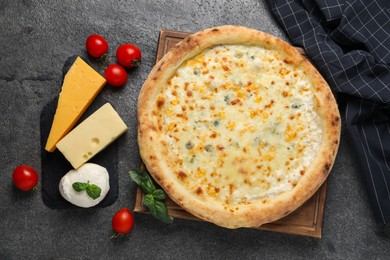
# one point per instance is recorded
(36, 37)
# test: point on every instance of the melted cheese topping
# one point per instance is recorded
(241, 124)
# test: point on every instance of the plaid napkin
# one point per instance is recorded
(349, 42)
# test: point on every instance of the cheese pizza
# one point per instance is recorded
(237, 127)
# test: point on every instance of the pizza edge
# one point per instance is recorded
(154, 157)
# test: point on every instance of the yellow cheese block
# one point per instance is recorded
(92, 135)
(81, 85)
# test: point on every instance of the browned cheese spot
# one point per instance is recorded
(231, 189)
(243, 171)
(160, 102)
(220, 147)
(236, 101)
(269, 105)
(225, 68)
(182, 175)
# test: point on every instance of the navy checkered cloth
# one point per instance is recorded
(349, 42)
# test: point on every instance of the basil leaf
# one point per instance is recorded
(157, 208)
(159, 194)
(147, 185)
(153, 198)
(80, 186)
(93, 191)
(162, 212)
(143, 180)
(149, 203)
(135, 175)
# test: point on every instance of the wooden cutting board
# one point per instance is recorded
(306, 220)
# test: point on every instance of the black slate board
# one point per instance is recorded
(54, 165)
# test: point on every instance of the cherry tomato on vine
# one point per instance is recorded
(129, 55)
(96, 46)
(115, 75)
(25, 178)
(122, 222)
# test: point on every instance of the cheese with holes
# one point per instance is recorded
(92, 135)
(81, 85)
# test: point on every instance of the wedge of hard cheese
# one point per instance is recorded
(81, 85)
(92, 135)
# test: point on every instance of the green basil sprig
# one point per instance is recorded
(154, 198)
(92, 190)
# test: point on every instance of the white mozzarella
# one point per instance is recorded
(88, 172)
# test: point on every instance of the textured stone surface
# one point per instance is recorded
(36, 37)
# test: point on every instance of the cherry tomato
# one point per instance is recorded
(25, 177)
(123, 221)
(115, 75)
(96, 46)
(128, 55)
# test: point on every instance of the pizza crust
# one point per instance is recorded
(155, 154)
